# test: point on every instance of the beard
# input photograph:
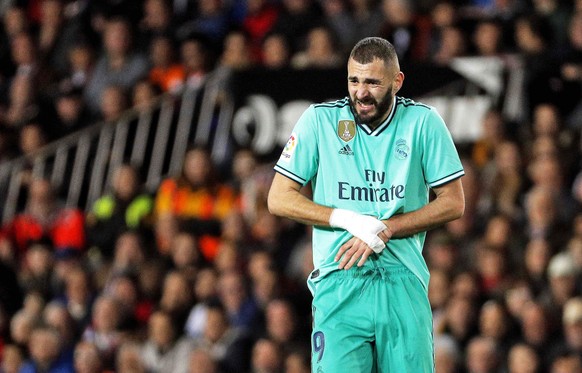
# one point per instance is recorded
(381, 107)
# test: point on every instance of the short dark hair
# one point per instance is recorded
(368, 49)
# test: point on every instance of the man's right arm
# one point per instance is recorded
(285, 199)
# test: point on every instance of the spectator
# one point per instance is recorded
(22, 102)
(494, 133)
(537, 255)
(205, 291)
(267, 357)
(165, 351)
(532, 36)
(443, 14)
(123, 208)
(367, 17)
(44, 217)
(87, 359)
(523, 359)
(557, 15)
(229, 258)
(442, 252)
(447, 354)
(177, 298)
(184, 253)
(201, 361)
(45, 353)
(34, 303)
(166, 72)
(196, 60)
(438, 293)
(14, 21)
(572, 326)
(281, 322)
(571, 71)
(134, 309)
(129, 254)
(465, 284)
(275, 52)
(56, 35)
(459, 320)
(487, 38)
(78, 296)
(453, 44)
(297, 361)
(562, 282)
(156, 20)
(495, 323)
(339, 17)
(547, 124)
(117, 66)
(24, 54)
(537, 329)
(12, 359)
(58, 317)
(259, 20)
(320, 51)
(144, 96)
(81, 62)
(492, 270)
(567, 363)
(21, 326)
(241, 308)
(236, 53)
(483, 355)
(210, 20)
(404, 29)
(71, 112)
(226, 344)
(32, 138)
(541, 212)
(36, 269)
(296, 18)
(103, 331)
(574, 249)
(197, 200)
(128, 359)
(113, 103)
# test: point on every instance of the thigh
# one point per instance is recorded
(342, 333)
(404, 339)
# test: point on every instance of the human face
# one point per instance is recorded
(372, 87)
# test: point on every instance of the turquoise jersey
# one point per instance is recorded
(380, 172)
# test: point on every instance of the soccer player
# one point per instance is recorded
(371, 159)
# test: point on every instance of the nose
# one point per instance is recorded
(362, 91)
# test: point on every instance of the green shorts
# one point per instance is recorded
(371, 320)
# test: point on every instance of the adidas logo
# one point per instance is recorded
(346, 150)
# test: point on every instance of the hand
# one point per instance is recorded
(364, 227)
(356, 249)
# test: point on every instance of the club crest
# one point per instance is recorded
(346, 129)
(402, 150)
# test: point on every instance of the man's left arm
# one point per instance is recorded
(448, 205)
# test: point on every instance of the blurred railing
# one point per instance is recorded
(155, 139)
(255, 109)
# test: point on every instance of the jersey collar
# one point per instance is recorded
(383, 125)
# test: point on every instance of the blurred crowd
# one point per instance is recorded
(197, 276)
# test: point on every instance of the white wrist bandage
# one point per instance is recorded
(364, 227)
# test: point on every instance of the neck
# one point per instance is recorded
(381, 120)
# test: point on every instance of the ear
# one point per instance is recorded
(398, 81)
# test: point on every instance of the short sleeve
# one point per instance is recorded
(440, 160)
(299, 158)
